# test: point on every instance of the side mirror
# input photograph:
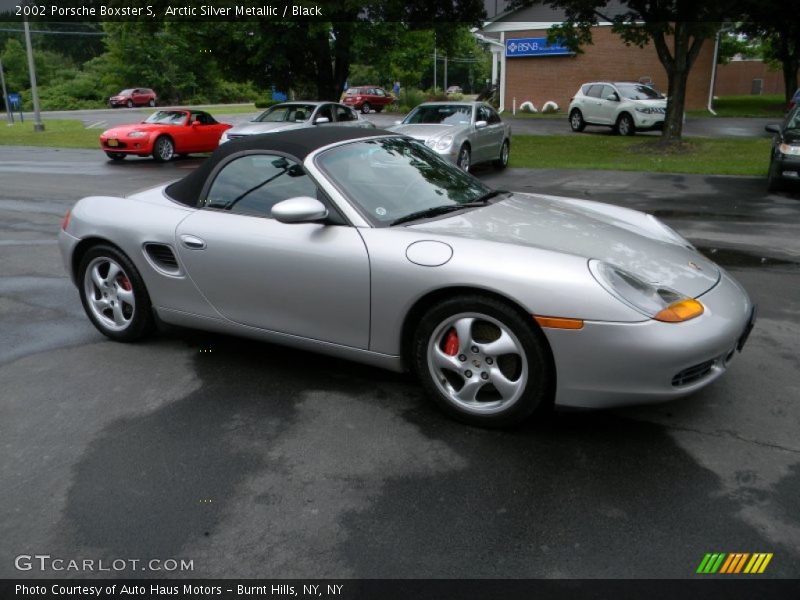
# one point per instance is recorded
(480, 124)
(772, 128)
(302, 209)
(196, 123)
(612, 98)
(320, 120)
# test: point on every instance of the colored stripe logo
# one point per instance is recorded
(734, 563)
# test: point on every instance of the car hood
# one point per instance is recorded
(791, 136)
(653, 103)
(427, 132)
(124, 130)
(623, 237)
(254, 128)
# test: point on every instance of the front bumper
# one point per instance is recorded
(648, 120)
(138, 146)
(788, 167)
(615, 364)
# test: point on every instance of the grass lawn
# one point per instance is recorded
(56, 134)
(227, 109)
(770, 105)
(590, 151)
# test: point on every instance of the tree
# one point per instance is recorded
(778, 24)
(677, 29)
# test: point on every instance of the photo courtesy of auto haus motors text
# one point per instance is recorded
(183, 590)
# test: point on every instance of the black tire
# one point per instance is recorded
(774, 181)
(576, 122)
(129, 104)
(502, 162)
(365, 108)
(464, 159)
(163, 149)
(536, 395)
(141, 316)
(152, 103)
(625, 125)
(116, 155)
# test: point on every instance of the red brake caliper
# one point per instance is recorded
(451, 343)
(125, 283)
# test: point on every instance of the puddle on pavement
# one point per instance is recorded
(729, 257)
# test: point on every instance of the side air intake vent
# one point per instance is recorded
(162, 257)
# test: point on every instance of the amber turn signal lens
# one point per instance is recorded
(65, 222)
(559, 322)
(683, 310)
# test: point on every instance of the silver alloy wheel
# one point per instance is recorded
(463, 159)
(109, 293)
(504, 154)
(624, 125)
(152, 102)
(477, 366)
(575, 120)
(164, 149)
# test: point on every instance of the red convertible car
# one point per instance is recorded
(163, 135)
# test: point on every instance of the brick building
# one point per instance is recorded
(745, 77)
(554, 74)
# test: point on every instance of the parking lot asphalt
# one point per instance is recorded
(721, 127)
(253, 460)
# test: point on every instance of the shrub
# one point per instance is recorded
(410, 97)
(527, 107)
(266, 102)
(550, 107)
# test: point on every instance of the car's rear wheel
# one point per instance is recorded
(163, 149)
(463, 161)
(482, 362)
(576, 121)
(365, 108)
(625, 125)
(152, 103)
(129, 104)
(113, 294)
(116, 155)
(502, 161)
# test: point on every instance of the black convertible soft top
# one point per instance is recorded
(297, 143)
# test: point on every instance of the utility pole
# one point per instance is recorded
(5, 94)
(37, 117)
(434, 62)
(445, 73)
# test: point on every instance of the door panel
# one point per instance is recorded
(309, 279)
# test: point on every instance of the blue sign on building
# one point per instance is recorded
(535, 47)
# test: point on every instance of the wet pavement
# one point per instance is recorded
(254, 460)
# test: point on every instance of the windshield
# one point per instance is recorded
(125, 92)
(167, 117)
(391, 178)
(636, 91)
(293, 113)
(445, 114)
(793, 120)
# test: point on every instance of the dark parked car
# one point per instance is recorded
(133, 97)
(367, 97)
(784, 165)
(795, 99)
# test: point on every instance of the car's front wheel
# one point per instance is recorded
(464, 159)
(482, 362)
(625, 125)
(116, 155)
(129, 104)
(113, 294)
(576, 121)
(502, 161)
(365, 108)
(163, 149)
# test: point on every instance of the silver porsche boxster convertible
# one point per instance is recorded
(368, 245)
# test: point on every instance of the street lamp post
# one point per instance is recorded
(5, 94)
(37, 117)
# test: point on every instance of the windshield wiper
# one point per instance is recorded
(484, 198)
(430, 212)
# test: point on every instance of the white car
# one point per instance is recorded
(627, 107)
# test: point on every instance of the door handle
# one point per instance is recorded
(192, 242)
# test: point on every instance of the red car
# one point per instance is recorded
(163, 135)
(367, 97)
(133, 97)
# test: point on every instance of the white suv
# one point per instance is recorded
(625, 106)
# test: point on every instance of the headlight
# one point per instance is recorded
(789, 149)
(444, 142)
(644, 109)
(137, 134)
(659, 303)
(430, 143)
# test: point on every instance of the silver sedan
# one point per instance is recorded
(466, 133)
(298, 115)
(370, 247)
